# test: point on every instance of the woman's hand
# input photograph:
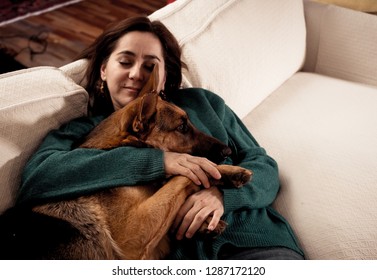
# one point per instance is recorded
(194, 168)
(196, 209)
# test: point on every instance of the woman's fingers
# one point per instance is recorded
(195, 211)
(195, 168)
(199, 206)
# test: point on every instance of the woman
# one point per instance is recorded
(120, 62)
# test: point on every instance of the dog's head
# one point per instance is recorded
(149, 121)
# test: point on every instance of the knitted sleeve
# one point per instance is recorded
(246, 152)
(57, 171)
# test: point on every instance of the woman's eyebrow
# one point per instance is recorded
(147, 56)
(151, 56)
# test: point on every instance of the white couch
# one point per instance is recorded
(301, 75)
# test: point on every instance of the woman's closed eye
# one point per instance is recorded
(149, 67)
(125, 63)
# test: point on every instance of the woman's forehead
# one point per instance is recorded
(140, 43)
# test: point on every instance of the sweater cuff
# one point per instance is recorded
(230, 203)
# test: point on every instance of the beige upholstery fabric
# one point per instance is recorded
(233, 56)
(360, 5)
(323, 133)
(76, 71)
(341, 43)
(32, 102)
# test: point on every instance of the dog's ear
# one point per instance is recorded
(137, 116)
(152, 83)
(148, 102)
(147, 109)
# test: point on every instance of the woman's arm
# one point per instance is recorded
(58, 171)
(195, 168)
(261, 191)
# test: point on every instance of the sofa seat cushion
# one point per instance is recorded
(236, 46)
(323, 133)
(33, 102)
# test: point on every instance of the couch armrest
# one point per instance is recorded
(341, 43)
(76, 71)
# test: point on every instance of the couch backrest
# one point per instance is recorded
(239, 49)
(32, 102)
(342, 43)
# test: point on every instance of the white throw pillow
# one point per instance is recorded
(32, 102)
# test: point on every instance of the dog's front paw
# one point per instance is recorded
(235, 176)
(241, 178)
(203, 230)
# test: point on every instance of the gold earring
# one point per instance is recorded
(163, 95)
(102, 87)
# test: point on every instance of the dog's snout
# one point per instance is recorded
(219, 152)
(211, 148)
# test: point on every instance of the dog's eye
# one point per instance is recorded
(183, 128)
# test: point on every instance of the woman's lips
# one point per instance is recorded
(133, 89)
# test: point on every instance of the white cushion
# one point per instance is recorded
(323, 134)
(239, 49)
(32, 102)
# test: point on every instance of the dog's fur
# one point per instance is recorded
(127, 222)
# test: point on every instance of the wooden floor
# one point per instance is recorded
(68, 30)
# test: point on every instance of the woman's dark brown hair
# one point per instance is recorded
(99, 52)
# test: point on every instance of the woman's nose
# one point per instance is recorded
(135, 73)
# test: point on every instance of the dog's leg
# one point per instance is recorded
(232, 176)
(151, 220)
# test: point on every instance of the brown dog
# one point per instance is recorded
(133, 222)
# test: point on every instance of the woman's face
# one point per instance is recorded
(130, 65)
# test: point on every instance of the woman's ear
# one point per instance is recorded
(103, 71)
